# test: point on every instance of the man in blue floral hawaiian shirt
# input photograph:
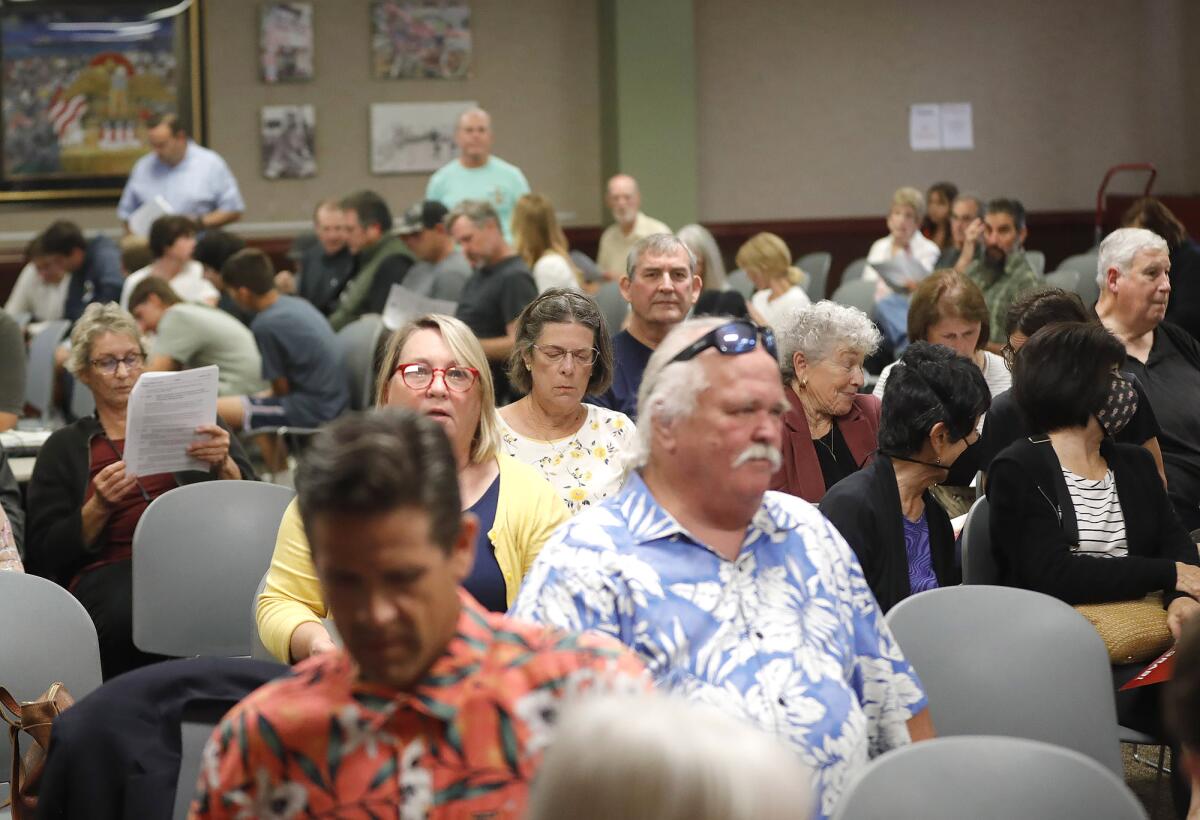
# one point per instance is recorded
(745, 599)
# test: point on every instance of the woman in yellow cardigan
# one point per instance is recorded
(436, 366)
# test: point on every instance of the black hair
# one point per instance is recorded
(1033, 309)
(1012, 207)
(59, 239)
(371, 209)
(1062, 375)
(215, 247)
(930, 383)
(166, 230)
(378, 462)
(249, 268)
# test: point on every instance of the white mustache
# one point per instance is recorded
(757, 451)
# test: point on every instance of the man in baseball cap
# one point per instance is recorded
(441, 269)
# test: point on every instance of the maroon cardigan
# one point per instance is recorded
(801, 471)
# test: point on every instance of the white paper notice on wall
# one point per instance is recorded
(925, 126)
(957, 131)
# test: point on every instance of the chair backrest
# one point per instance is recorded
(39, 370)
(986, 777)
(613, 305)
(258, 650)
(83, 403)
(48, 636)
(854, 270)
(816, 265)
(198, 552)
(858, 293)
(1006, 661)
(739, 280)
(587, 266)
(1086, 264)
(1037, 261)
(198, 720)
(978, 560)
(357, 344)
(1068, 280)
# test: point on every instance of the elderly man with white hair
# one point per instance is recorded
(745, 599)
(1133, 273)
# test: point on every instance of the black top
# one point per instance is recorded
(1033, 527)
(391, 271)
(630, 358)
(494, 296)
(1171, 378)
(322, 276)
(834, 456)
(865, 508)
(1184, 307)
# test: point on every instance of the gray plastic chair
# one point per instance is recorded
(198, 552)
(83, 403)
(613, 305)
(39, 369)
(1037, 261)
(816, 265)
(986, 778)
(1068, 280)
(357, 344)
(1006, 661)
(48, 637)
(739, 280)
(1086, 264)
(978, 560)
(854, 270)
(258, 649)
(856, 293)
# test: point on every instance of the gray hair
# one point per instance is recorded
(669, 389)
(971, 197)
(652, 755)
(1120, 247)
(819, 330)
(657, 244)
(476, 210)
(561, 306)
(98, 319)
(701, 243)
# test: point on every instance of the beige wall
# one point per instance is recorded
(536, 71)
(1060, 90)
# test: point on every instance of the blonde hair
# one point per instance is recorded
(98, 319)
(465, 347)
(909, 197)
(657, 757)
(767, 253)
(536, 230)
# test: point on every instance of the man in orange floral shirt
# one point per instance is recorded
(435, 707)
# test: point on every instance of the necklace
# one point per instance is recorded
(549, 439)
(828, 445)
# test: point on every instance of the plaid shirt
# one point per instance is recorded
(464, 742)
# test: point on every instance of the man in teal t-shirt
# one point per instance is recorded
(476, 174)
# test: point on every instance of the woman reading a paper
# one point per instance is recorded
(84, 505)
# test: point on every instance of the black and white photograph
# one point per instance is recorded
(288, 147)
(428, 40)
(286, 42)
(411, 138)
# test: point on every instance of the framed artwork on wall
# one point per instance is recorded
(414, 40)
(285, 45)
(411, 138)
(288, 145)
(78, 84)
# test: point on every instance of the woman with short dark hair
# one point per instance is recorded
(886, 512)
(562, 352)
(172, 241)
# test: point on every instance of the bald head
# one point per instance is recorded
(473, 135)
(624, 199)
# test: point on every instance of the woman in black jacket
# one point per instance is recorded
(84, 506)
(902, 537)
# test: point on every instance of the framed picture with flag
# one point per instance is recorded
(78, 84)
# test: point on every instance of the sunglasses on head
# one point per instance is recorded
(731, 339)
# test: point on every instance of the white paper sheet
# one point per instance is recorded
(957, 131)
(164, 411)
(404, 305)
(900, 271)
(925, 127)
(141, 219)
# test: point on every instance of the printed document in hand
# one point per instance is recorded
(164, 411)
(899, 271)
(150, 210)
(404, 305)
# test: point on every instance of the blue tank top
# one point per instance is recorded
(486, 582)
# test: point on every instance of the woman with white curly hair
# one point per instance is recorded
(830, 430)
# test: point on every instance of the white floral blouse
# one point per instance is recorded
(585, 467)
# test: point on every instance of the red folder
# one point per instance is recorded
(1160, 670)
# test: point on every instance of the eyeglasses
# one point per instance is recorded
(420, 376)
(584, 357)
(108, 364)
(732, 339)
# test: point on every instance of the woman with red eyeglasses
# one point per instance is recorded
(433, 365)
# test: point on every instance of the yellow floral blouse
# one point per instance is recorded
(584, 468)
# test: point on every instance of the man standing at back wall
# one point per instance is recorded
(477, 174)
(624, 200)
